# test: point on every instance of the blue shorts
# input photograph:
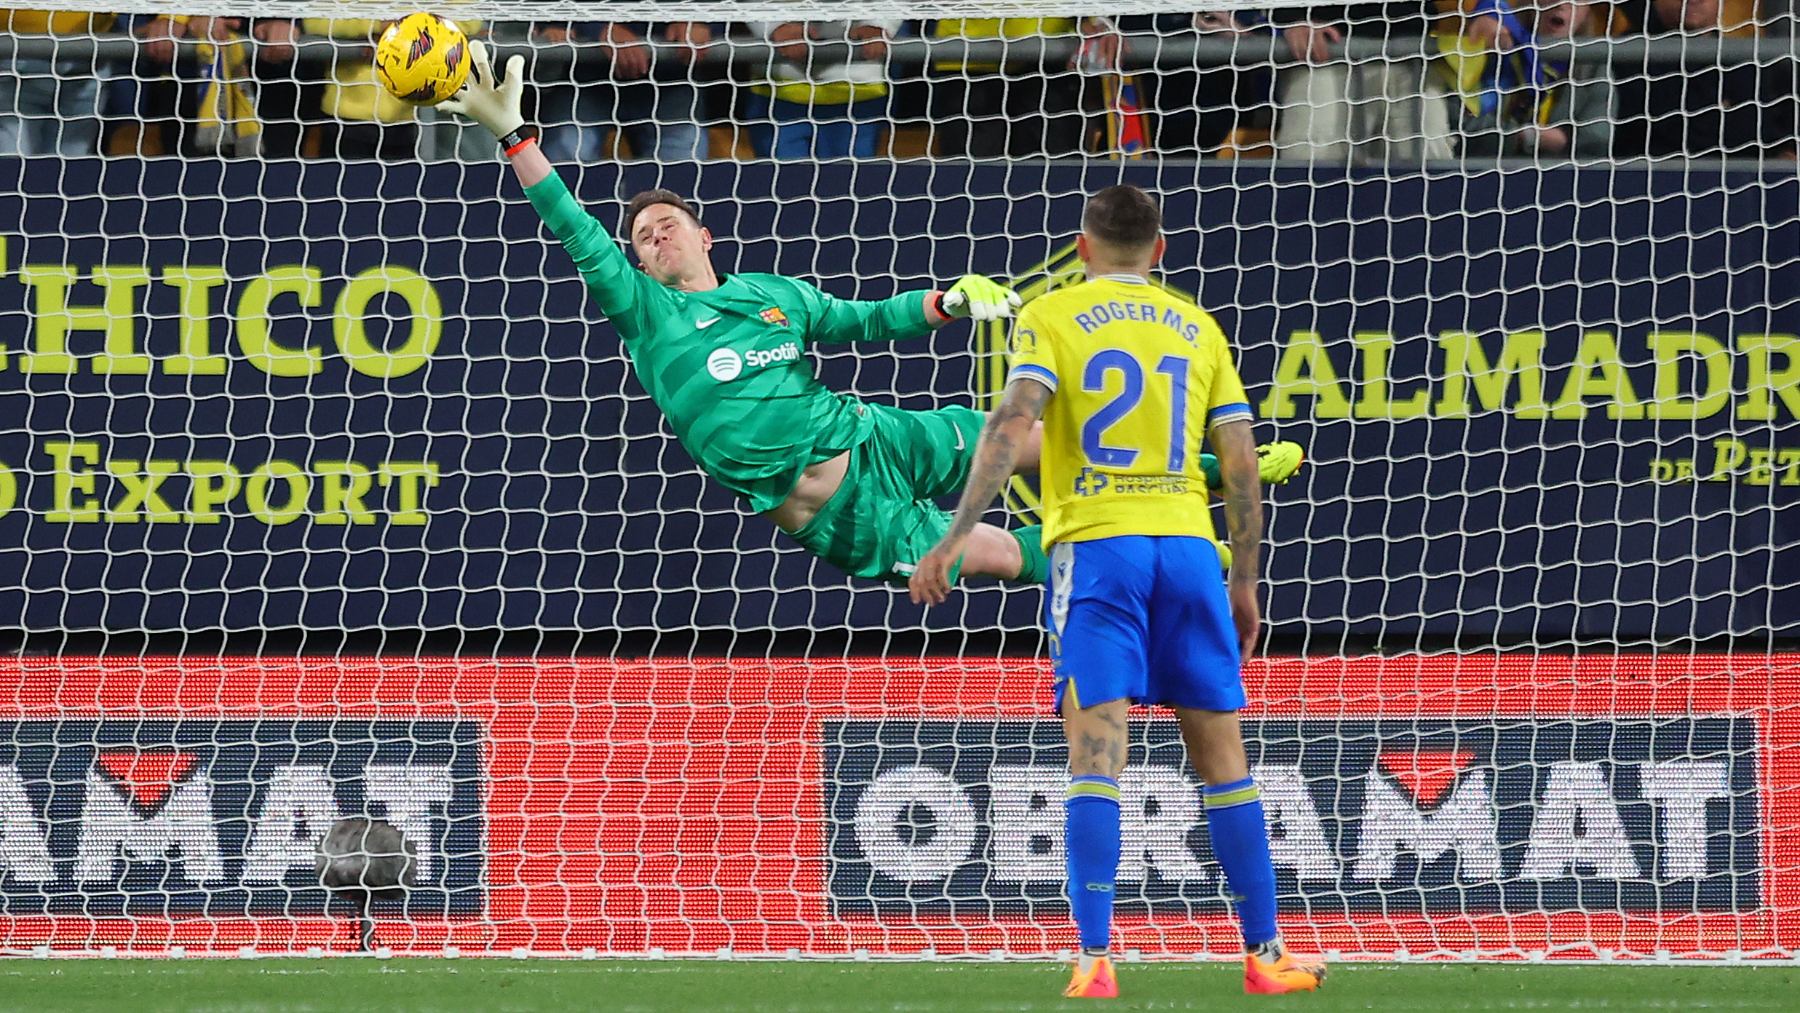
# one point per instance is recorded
(1144, 619)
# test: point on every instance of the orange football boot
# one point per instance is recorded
(1280, 975)
(1098, 983)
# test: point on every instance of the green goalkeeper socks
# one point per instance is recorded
(1034, 566)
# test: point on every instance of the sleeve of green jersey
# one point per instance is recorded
(616, 286)
(836, 321)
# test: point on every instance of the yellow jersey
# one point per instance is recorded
(30, 21)
(997, 28)
(1138, 375)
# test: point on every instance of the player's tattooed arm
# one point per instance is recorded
(1236, 446)
(997, 453)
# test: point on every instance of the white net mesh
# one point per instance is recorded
(326, 491)
(730, 10)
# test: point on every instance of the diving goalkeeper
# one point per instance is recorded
(722, 357)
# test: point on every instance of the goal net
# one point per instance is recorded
(326, 491)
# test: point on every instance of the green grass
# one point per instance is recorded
(621, 986)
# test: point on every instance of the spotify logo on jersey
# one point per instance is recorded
(724, 364)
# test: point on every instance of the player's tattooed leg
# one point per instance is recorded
(1097, 738)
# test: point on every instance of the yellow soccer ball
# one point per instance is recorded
(422, 59)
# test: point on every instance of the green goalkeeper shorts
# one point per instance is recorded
(884, 518)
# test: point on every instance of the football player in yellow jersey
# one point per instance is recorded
(1127, 379)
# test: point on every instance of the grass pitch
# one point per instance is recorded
(466, 985)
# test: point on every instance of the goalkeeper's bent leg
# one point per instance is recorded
(1034, 566)
(1015, 554)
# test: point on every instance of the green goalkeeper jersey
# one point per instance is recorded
(727, 367)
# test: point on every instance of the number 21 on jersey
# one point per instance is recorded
(1127, 424)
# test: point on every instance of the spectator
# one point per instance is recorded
(1331, 108)
(225, 117)
(1196, 108)
(658, 113)
(160, 101)
(1511, 101)
(50, 107)
(284, 103)
(364, 121)
(136, 106)
(985, 109)
(1741, 110)
(824, 101)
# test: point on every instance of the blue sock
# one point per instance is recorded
(1240, 841)
(1091, 842)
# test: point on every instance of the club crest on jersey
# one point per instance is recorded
(773, 315)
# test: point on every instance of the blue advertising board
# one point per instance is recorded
(1552, 405)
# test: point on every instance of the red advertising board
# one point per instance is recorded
(1499, 805)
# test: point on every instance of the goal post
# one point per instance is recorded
(326, 491)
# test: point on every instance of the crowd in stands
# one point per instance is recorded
(1457, 79)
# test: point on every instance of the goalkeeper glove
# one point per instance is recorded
(979, 298)
(489, 102)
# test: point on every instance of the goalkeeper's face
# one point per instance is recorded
(671, 245)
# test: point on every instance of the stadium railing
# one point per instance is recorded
(1142, 50)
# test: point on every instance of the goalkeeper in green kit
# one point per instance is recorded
(723, 358)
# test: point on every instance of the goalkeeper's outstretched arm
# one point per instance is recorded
(625, 292)
(494, 103)
(910, 314)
